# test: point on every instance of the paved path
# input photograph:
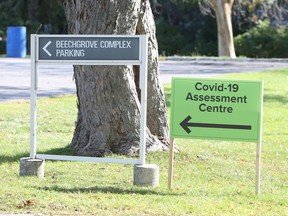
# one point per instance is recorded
(207, 67)
(58, 79)
(15, 79)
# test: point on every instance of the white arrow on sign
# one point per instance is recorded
(44, 48)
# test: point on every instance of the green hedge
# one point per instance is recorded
(263, 41)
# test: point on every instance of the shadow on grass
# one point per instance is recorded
(68, 150)
(13, 158)
(275, 98)
(109, 189)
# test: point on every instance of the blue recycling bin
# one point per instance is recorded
(16, 41)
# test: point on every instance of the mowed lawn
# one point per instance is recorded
(210, 177)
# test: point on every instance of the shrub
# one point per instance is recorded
(263, 41)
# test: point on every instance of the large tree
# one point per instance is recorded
(108, 96)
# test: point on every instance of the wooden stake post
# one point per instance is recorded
(171, 159)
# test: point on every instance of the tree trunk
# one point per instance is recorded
(108, 96)
(223, 11)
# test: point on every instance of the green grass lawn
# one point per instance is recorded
(210, 177)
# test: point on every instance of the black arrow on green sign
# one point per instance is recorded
(185, 124)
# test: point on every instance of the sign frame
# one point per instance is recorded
(142, 61)
(185, 124)
(82, 61)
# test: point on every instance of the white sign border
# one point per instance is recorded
(90, 62)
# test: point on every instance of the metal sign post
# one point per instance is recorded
(33, 97)
(88, 50)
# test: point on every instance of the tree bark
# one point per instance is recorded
(108, 96)
(223, 11)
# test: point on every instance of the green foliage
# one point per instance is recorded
(182, 30)
(49, 13)
(263, 41)
(169, 38)
(32, 14)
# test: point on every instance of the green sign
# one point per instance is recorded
(216, 109)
